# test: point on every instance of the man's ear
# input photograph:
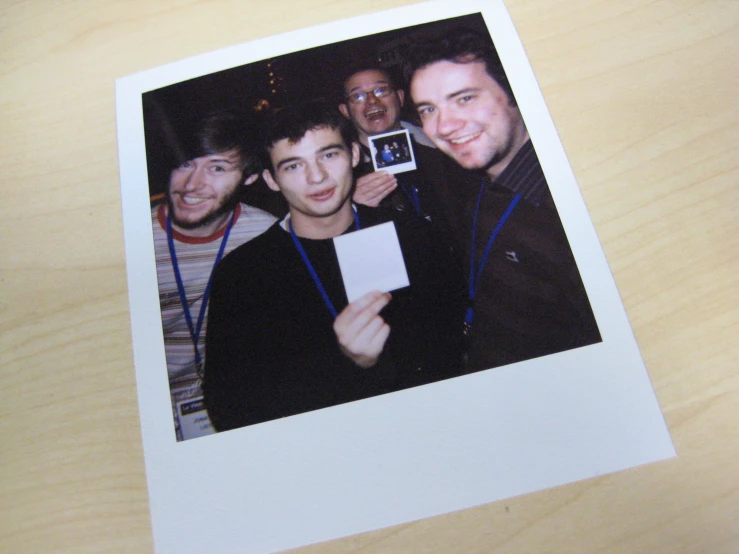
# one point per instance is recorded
(271, 183)
(401, 96)
(344, 109)
(251, 178)
(356, 153)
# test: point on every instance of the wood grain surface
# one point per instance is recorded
(644, 95)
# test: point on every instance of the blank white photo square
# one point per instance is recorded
(371, 259)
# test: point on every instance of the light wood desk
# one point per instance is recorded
(644, 95)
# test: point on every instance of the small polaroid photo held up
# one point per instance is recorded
(393, 152)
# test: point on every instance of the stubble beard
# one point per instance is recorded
(227, 204)
(498, 154)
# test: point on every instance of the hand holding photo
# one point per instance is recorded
(371, 259)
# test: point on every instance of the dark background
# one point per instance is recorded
(255, 88)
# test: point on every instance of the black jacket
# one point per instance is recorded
(271, 350)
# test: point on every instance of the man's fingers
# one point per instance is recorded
(374, 304)
(361, 331)
(378, 341)
(368, 299)
(373, 187)
(366, 346)
(361, 311)
(355, 317)
(373, 336)
(377, 194)
(367, 183)
(376, 178)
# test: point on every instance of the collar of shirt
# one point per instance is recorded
(524, 175)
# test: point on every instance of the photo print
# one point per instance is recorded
(507, 364)
(366, 84)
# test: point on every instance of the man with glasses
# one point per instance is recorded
(373, 103)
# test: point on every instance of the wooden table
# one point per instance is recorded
(644, 95)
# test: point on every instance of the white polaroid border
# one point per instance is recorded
(402, 456)
(393, 167)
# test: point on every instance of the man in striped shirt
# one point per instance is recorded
(525, 295)
(200, 222)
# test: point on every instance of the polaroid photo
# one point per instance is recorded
(392, 152)
(307, 456)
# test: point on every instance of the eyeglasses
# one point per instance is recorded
(360, 96)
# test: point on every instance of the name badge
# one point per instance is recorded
(194, 421)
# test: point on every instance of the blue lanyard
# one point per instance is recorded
(413, 197)
(195, 330)
(475, 275)
(312, 271)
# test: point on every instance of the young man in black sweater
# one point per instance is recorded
(282, 338)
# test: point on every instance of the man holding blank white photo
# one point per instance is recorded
(283, 338)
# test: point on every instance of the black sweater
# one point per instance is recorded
(271, 350)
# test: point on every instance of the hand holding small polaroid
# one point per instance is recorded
(371, 259)
(393, 152)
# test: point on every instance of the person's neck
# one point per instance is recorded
(520, 137)
(317, 228)
(202, 231)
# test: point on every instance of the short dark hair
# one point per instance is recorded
(360, 65)
(293, 122)
(460, 46)
(219, 132)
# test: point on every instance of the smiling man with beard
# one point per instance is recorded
(200, 222)
(525, 295)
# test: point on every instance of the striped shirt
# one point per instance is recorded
(524, 175)
(195, 257)
(530, 300)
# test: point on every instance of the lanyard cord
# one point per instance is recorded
(309, 265)
(475, 275)
(195, 330)
(413, 197)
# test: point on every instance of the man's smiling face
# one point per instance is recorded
(203, 189)
(468, 115)
(374, 115)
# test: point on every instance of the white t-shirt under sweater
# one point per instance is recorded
(195, 258)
